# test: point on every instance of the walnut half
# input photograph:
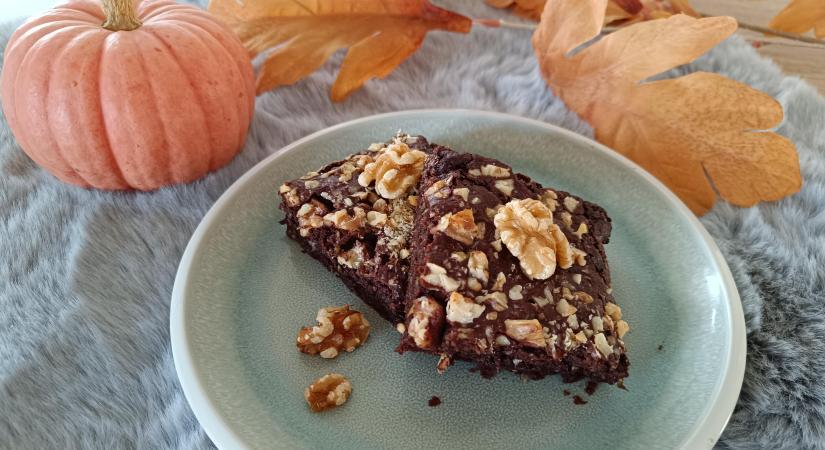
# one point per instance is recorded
(527, 229)
(339, 328)
(395, 170)
(425, 321)
(328, 392)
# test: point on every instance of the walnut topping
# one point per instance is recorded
(353, 257)
(339, 328)
(290, 195)
(598, 324)
(478, 264)
(473, 284)
(500, 280)
(496, 300)
(444, 363)
(621, 328)
(343, 220)
(528, 332)
(565, 309)
(460, 226)
(494, 171)
(601, 344)
(376, 219)
(580, 337)
(438, 189)
(425, 320)
(577, 278)
(572, 321)
(462, 310)
(492, 315)
(474, 172)
(309, 175)
(311, 184)
(505, 186)
(328, 392)
(528, 231)
(404, 253)
(395, 170)
(346, 171)
(579, 256)
(380, 205)
(438, 277)
(412, 200)
(496, 245)
(613, 310)
(582, 230)
(462, 192)
(501, 340)
(583, 297)
(310, 215)
(401, 328)
(570, 203)
(458, 256)
(515, 292)
(549, 199)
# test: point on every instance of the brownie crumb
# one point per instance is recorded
(434, 401)
(578, 400)
(661, 347)
(591, 387)
(566, 392)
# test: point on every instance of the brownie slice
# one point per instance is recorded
(510, 275)
(355, 217)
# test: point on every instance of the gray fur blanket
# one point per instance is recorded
(86, 276)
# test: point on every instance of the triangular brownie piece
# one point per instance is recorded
(355, 216)
(510, 275)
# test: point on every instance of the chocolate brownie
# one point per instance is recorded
(510, 275)
(355, 216)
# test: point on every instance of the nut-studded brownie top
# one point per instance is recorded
(359, 212)
(510, 275)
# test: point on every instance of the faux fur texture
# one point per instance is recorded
(86, 276)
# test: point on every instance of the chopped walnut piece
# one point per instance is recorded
(567, 219)
(580, 337)
(339, 328)
(622, 328)
(343, 220)
(528, 332)
(582, 230)
(380, 205)
(463, 310)
(565, 309)
(505, 186)
(515, 292)
(376, 219)
(352, 258)
(425, 320)
(528, 231)
(460, 226)
(477, 264)
(570, 203)
(395, 170)
(577, 278)
(473, 284)
(494, 171)
(310, 215)
(579, 256)
(444, 363)
(549, 199)
(412, 200)
(438, 277)
(598, 324)
(499, 283)
(290, 195)
(464, 193)
(458, 256)
(401, 328)
(613, 310)
(496, 300)
(583, 297)
(501, 340)
(311, 184)
(601, 345)
(328, 392)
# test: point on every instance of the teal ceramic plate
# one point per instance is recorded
(243, 290)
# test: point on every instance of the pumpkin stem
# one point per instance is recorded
(120, 15)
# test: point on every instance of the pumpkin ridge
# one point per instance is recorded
(58, 150)
(196, 92)
(248, 101)
(153, 101)
(108, 145)
(159, 11)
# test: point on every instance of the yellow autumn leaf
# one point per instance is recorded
(800, 16)
(699, 134)
(297, 36)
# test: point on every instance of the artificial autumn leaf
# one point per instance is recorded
(800, 16)
(699, 134)
(297, 36)
(618, 12)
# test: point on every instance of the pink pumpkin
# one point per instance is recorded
(142, 95)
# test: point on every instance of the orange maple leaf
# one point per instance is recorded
(698, 133)
(800, 16)
(619, 12)
(297, 36)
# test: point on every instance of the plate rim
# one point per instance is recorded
(704, 434)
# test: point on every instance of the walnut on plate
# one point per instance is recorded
(339, 328)
(330, 391)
